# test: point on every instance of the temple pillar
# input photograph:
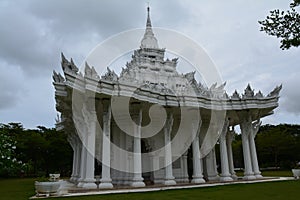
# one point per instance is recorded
(137, 180)
(169, 178)
(225, 175)
(73, 176)
(122, 159)
(156, 169)
(82, 163)
(246, 129)
(130, 168)
(197, 165)
(89, 181)
(78, 160)
(105, 181)
(75, 160)
(73, 145)
(211, 166)
(77, 151)
(255, 126)
(229, 139)
(128, 159)
(185, 176)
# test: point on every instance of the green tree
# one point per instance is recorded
(59, 153)
(9, 164)
(44, 150)
(284, 25)
(32, 147)
(277, 145)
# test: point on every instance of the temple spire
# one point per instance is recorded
(148, 25)
(149, 40)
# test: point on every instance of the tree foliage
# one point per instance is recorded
(278, 146)
(284, 25)
(38, 152)
(9, 164)
(41, 151)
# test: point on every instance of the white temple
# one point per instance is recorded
(141, 127)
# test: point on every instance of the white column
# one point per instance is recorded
(89, 181)
(169, 178)
(197, 168)
(155, 168)
(73, 176)
(82, 163)
(78, 160)
(254, 130)
(115, 157)
(185, 176)
(229, 139)
(225, 175)
(128, 160)
(73, 145)
(137, 164)
(246, 128)
(130, 168)
(215, 163)
(137, 180)
(211, 167)
(75, 160)
(122, 159)
(197, 165)
(120, 156)
(105, 181)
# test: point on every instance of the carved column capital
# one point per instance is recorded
(246, 122)
(196, 121)
(105, 104)
(169, 121)
(255, 127)
(230, 135)
(136, 112)
(244, 115)
(90, 103)
(106, 116)
(224, 129)
(89, 113)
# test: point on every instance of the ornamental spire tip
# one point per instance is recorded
(149, 40)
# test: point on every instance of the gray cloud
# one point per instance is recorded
(10, 87)
(33, 33)
(291, 94)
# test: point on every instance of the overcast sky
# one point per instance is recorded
(34, 33)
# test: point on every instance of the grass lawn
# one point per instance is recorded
(277, 173)
(15, 189)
